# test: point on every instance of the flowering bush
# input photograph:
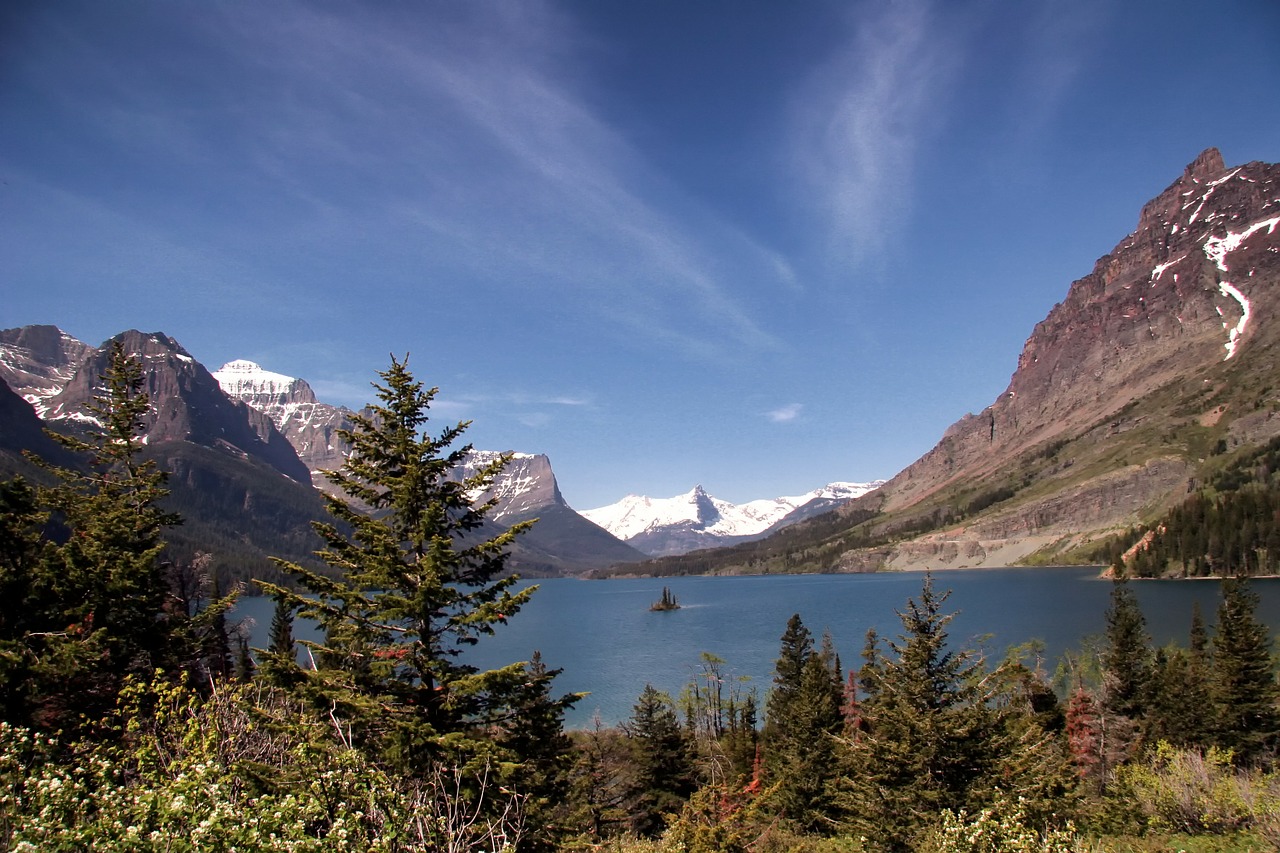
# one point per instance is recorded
(202, 775)
(1003, 827)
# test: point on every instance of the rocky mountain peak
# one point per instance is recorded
(1205, 166)
(36, 361)
(1192, 287)
(248, 382)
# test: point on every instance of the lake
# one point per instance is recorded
(608, 643)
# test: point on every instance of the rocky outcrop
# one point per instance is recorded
(311, 427)
(523, 486)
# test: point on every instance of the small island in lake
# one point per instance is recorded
(667, 602)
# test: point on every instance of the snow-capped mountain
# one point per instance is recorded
(663, 526)
(309, 425)
(525, 483)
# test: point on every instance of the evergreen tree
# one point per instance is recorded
(280, 657)
(1244, 683)
(534, 731)
(1126, 655)
(932, 741)
(1181, 701)
(797, 646)
(802, 718)
(803, 754)
(663, 776)
(22, 547)
(1084, 737)
(418, 581)
(96, 605)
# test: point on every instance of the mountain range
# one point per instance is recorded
(246, 449)
(1158, 367)
(696, 520)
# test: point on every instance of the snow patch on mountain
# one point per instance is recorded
(1216, 249)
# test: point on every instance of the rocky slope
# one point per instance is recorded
(560, 543)
(37, 361)
(1163, 353)
(244, 446)
(187, 404)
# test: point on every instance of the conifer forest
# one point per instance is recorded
(136, 717)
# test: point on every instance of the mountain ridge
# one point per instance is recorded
(696, 519)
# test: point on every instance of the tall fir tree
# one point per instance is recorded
(417, 580)
(1244, 682)
(23, 544)
(1126, 662)
(662, 767)
(796, 647)
(100, 590)
(1126, 655)
(1181, 709)
(934, 735)
(802, 719)
(534, 731)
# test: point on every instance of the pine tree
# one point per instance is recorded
(100, 593)
(534, 731)
(1084, 737)
(663, 776)
(797, 646)
(802, 719)
(1126, 655)
(1181, 702)
(22, 546)
(932, 741)
(803, 753)
(1244, 684)
(280, 657)
(418, 581)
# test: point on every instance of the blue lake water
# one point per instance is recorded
(608, 643)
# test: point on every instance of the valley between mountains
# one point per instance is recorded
(1154, 378)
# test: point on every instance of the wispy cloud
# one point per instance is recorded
(1055, 47)
(469, 139)
(785, 414)
(862, 118)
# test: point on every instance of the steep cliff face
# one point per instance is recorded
(186, 404)
(1185, 298)
(311, 427)
(525, 484)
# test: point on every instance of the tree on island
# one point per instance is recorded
(667, 602)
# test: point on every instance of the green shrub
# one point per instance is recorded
(1201, 792)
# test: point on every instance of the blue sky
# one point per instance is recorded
(756, 246)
